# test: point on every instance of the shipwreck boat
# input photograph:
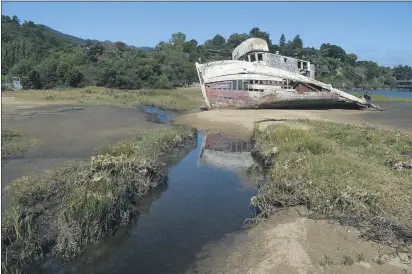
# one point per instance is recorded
(255, 78)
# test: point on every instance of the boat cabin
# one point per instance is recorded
(257, 50)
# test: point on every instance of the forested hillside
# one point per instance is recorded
(45, 58)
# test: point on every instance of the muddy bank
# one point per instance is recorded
(396, 117)
(66, 132)
(292, 244)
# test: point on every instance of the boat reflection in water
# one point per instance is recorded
(221, 152)
(234, 155)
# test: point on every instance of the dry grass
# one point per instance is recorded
(341, 172)
(182, 99)
(65, 209)
(13, 143)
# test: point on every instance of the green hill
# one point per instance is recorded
(46, 58)
(67, 37)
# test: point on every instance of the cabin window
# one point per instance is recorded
(240, 84)
(260, 57)
(252, 58)
(234, 85)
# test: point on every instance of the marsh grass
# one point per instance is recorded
(339, 172)
(182, 99)
(14, 143)
(382, 98)
(65, 209)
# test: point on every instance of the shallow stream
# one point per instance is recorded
(206, 198)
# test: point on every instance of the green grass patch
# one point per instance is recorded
(65, 209)
(354, 174)
(14, 143)
(382, 98)
(181, 99)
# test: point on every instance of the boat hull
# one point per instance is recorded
(238, 84)
(241, 99)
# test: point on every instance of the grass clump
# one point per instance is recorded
(13, 143)
(347, 260)
(64, 210)
(340, 172)
(181, 99)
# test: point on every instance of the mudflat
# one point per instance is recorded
(66, 132)
(397, 116)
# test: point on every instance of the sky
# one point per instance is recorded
(376, 31)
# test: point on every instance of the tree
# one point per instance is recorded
(332, 51)
(177, 41)
(191, 48)
(120, 46)
(402, 72)
(235, 40)
(215, 49)
(15, 19)
(282, 41)
(94, 52)
(287, 49)
(372, 69)
(351, 59)
(218, 41)
(297, 43)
